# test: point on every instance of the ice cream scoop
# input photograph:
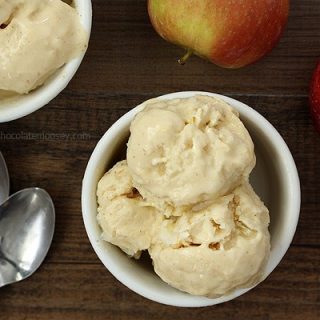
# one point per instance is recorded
(37, 38)
(126, 220)
(216, 250)
(185, 151)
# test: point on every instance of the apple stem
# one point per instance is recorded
(187, 55)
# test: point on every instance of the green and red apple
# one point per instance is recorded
(230, 33)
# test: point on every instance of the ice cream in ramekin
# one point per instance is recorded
(184, 195)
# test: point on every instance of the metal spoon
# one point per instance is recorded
(27, 222)
(4, 180)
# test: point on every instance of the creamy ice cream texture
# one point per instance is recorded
(185, 151)
(204, 227)
(37, 37)
(124, 217)
(216, 250)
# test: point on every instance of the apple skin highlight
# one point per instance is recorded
(231, 34)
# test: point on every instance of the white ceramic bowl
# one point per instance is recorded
(22, 105)
(274, 178)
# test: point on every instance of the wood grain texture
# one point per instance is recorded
(126, 64)
(285, 71)
(88, 291)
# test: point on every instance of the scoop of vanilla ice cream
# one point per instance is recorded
(215, 250)
(185, 151)
(37, 37)
(125, 219)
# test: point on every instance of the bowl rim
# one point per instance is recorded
(293, 208)
(22, 105)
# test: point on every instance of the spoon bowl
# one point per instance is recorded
(27, 222)
(4, 180)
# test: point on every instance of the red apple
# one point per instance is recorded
(230, 33)
(314, 97)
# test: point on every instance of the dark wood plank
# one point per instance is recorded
(122, 38)
(89, 291)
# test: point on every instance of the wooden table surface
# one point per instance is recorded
(127, 62)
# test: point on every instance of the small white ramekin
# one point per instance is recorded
(22, 105)
(275, 179)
